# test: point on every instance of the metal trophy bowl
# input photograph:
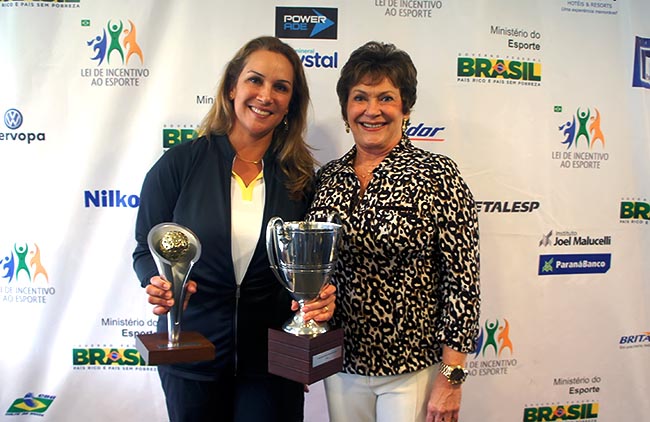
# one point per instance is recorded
(302, 254)
(175, 250)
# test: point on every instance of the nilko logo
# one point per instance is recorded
(306, 22)
(23, 263)
(30, 405)
(583, 129)
(641, 76)
(117, 41)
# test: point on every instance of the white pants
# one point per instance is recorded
(397, 398)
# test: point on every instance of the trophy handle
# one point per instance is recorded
(334, 217)
(276, 224)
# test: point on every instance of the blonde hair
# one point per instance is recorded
(288, 142)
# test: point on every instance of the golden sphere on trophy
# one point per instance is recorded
(174, 245)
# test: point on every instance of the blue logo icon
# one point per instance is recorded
(13, 119)
(641, 76)
(561, 264)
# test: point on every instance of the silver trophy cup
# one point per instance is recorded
(302, 256)
(175, 250)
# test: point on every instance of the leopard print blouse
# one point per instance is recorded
(407, 275)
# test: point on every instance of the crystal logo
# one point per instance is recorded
(110, 199)
(311, 58)
(30, 405)
(641, 76)
(588, 129)
(574, 264)
(13, 119)
(302, 22)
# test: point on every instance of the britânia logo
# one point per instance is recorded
(587, 128)
(23, 262)
(30, 405)
(120, 41)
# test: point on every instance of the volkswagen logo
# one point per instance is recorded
(13, 118)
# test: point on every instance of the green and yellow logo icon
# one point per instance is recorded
(30, 405)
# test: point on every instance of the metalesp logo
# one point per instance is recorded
(30, 405)
(560, 264)
(116, 42)
(562, 412)
(498, 71)
(634, 211)
(306, 22)
(13, 120)
(641, 76)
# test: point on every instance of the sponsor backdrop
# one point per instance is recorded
(544, 105)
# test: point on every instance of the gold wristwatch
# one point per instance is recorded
(455, 374)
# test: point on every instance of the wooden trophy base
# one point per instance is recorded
(192, 347)
(305, 359)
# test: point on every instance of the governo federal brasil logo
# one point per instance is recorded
(507, 71)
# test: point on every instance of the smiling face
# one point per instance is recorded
(261, 95)
(375, 115)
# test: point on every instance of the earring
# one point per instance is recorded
(286, 123)
(405, 123)
(347, 126)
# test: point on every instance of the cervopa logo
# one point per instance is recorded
(302, 22)
(30, 405)
(106, 357)
(13, 120)
(587, 130)
(119, 42)
(23, 263)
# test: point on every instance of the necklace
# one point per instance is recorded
(248, 161)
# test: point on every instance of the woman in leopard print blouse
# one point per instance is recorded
(408, 272)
